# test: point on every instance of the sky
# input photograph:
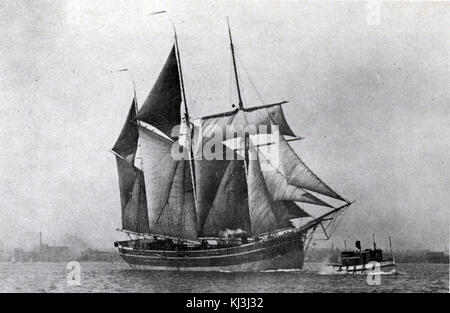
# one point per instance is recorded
(372, 101)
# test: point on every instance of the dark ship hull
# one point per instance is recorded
(275, 252)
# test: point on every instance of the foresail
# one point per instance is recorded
(300, 175)
(229, 211)
(177, 216)
(161, 109)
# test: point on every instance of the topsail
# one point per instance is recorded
(126, 143)
(161, 109)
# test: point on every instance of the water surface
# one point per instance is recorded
(118, 277)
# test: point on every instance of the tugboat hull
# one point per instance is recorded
(285, 252)
(387, 266)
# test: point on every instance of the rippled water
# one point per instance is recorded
(117, 277)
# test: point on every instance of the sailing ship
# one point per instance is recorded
(193, 213)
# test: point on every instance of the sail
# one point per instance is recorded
(126, 143)
(177, 216)
(287, 210)
(127, 177)
(159, 170)
(132, 197)
(229, 211)
(267, 115)
(134, 214)
(170, 196)
(208, 175)
(280, 189)
(161, 109)
(210, 166)
(298, 174)
(260, 203)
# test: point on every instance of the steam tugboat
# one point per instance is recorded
(363, 261)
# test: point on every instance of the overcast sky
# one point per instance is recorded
(373, 102)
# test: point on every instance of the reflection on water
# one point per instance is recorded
(117, 277)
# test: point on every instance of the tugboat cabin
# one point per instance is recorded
(351, 258)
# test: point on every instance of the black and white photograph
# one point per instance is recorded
(219, 147)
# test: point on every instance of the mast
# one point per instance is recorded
(390, 246)
(241, 106)
(187, 121)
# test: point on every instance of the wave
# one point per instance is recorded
(293, 270)
(329, 270)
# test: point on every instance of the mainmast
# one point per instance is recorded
(241, 105)
(187, 121)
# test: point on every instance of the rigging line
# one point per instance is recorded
(241, 62)
(245, 100)
(183, 198)
(166, 202)
(339, 221)
(336, 221)
(230, 82)
(332, 223)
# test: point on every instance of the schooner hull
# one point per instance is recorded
(270, 254)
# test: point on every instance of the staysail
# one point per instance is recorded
(280, 189)
(300, 175)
